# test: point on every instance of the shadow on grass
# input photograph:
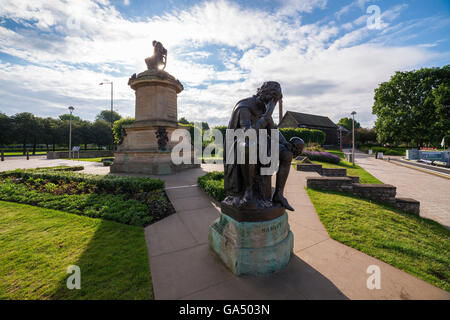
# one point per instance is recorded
(113, 266)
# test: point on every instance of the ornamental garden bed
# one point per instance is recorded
(128, 200)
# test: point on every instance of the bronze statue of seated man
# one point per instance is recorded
(241, 180)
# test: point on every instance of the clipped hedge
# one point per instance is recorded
(105, 206)
(213, 184)
(308, 135)
(109, 183)
(394, 151)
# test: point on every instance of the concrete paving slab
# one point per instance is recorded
(198, 221)
(168, 235)
(178, 274)
(347, 269)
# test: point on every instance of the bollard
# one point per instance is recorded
(28, 155)
(3, 156)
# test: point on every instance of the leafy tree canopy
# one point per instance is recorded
(105, 115)
(347, 123)
(413, 106)
(66, 116)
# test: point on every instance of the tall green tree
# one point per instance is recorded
(406, 106)
(66, 116)
(102, 133)
(105, 115)
(441, 97)
(6, 129)
(25, 125)
(347, 123)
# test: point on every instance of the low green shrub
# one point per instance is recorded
(105, 206)
(213, 184)
(308, 135)
(388, 151)
(107, 184)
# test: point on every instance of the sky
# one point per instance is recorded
(328, 55)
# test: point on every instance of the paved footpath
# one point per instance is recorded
(432, 191)
(12, 163)
(183, 266)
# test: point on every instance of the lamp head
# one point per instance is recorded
(71, 109)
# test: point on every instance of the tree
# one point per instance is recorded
(105, 115)
(66, 116)
(347, 123)
(51, 129)
(84, 133)
(364, 135)
(408, 109)
(24, 127)
(183, 121)
(101, 133)
(6, 130)
(441, 96)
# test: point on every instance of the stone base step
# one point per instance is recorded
(309, 167)
(334, 172)
(355, 179)
(408, 205)
(378, 192)
(330, 183)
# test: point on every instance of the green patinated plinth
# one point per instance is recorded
(252, 247)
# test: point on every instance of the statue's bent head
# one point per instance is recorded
(270, 90)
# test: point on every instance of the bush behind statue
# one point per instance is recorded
(213, 184)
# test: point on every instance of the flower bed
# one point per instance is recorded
(128, 200)
(107, 184)
(321, 156)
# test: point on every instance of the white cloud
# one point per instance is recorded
(324, 68)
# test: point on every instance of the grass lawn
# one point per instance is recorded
(37, 245)
(21, 153)
(356, 170)
(418, 246)
(88, 159)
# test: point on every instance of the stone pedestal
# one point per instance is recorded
(252, 247)
(156, 109)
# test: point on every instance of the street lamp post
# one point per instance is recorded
(353, 137)
(70, 132)
(111, 115)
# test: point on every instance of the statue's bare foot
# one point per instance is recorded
(278, 198)
(248, 201)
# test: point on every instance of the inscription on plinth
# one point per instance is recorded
(252, 247)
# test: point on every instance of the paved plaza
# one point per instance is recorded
(12, 163)
(432, 191)
(183, 266)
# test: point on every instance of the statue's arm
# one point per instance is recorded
(282, 139)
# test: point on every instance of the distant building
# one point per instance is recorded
(310, 121)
